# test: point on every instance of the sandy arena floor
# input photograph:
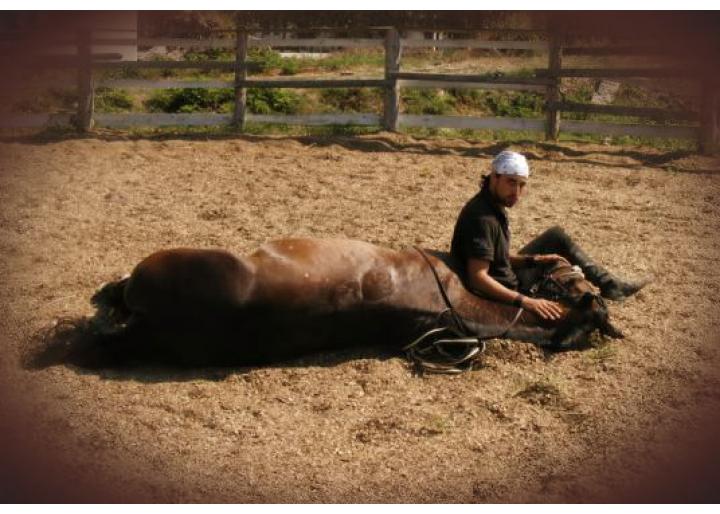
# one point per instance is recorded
(617, 422)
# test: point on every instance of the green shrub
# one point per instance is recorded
(426, 101)
(210, 54)
(469, 98)
(289, 67)
(354, 99)
(113, 100)
(514, 104)
(579, 93)
(191, 100)
(264, 59)
(267, 101)
(259, 101)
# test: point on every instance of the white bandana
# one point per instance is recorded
(511, 163)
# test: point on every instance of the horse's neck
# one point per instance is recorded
(485, 317)
(495, 319)
(476, 308)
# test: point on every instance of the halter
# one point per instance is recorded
(451, 347)
(552, 284)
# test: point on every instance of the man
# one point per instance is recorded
(481, 245)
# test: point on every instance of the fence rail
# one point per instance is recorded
(545, 80)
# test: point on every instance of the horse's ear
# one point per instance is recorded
(586, 300)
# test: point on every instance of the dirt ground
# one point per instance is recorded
(624, 421)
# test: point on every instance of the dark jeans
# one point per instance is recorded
(553, 240)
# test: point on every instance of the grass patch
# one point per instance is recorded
(527, 136)
(541, 392)
(426, 101)
(183, 131)
(259, 101)
(266, 60)
(659, 143)
(435, 425)
(352, 99)
(515, 104)
(210, 54)
(189, 100)
(269, 101)
(299, 130)
(602, 353)
(113, 100)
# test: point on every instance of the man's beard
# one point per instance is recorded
(507, 203)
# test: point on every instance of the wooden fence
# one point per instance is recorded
(546, 80)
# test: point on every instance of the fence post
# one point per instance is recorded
(552, 95)
(709, 117)
(86, 93)
(241, 48)
(392, 91)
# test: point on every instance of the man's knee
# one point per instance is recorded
(556, 233)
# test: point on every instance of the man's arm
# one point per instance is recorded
(480, 279)
(524, 261)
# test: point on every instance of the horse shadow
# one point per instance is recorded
(71, 342)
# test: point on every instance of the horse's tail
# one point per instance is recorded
(110, 294)
(95, 342)
(109, 301)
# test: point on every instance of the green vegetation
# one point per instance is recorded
(268, 101)
(352, 99)
(544, 392)
(365, 62)
(210, 54)
(602, 353)
(265, 60)
(298, 130)
(190, 100)
(426, 101)
(514, 104)
(113, 100)
(517, 136)
(259, 101)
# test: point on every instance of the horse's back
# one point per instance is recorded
(326, 273)
(303, 274)
(179, 282)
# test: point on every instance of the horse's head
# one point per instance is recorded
(588, 311)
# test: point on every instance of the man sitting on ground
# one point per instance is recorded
(481, 245)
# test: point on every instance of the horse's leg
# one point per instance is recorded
(556, 240)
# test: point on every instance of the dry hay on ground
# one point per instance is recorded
(356, 427)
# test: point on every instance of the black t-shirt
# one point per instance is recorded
(482, 232)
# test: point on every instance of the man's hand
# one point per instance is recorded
(546, 309)
(550, 258)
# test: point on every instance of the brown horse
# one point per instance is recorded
(297, 296)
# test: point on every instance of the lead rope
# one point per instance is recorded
(456, 349)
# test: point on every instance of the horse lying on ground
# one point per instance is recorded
(297, 296)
